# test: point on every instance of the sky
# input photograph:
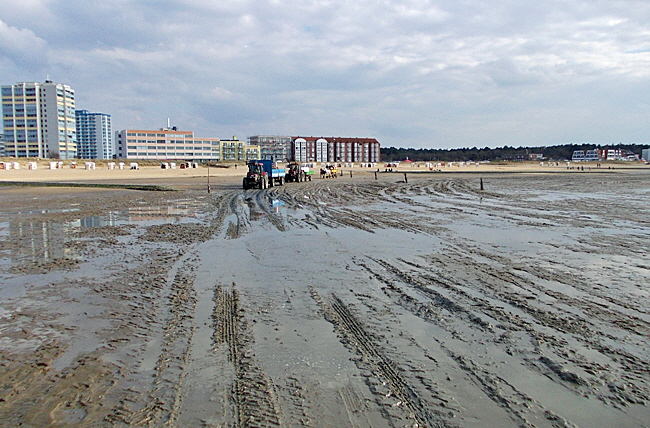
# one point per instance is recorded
(411, 73)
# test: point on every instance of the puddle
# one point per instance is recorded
(146, 213)
(274, 207)
(44, 211)
(43, 240)
(36, 241)
(110, 219)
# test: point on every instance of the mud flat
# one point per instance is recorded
(347, 302)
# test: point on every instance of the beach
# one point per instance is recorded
(490, 295)
(229, 173)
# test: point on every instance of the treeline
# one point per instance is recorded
(559, 152)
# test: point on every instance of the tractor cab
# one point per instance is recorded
(255, 169)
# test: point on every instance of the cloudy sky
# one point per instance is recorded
(411, 73)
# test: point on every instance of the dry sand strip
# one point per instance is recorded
(230, 173)
(144, 178)
(67, 174)
(147, 187)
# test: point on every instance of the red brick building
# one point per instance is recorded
(335, 149)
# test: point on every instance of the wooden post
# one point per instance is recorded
(481, 184)
(208, 177)
(350, 173)
(406, 180)
(376, 174)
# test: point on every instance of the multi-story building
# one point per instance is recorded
(39, 120)
(2, 145)
(169, 143)
(237, 150)
(515, 157)
(585, 155)
(645, 155)
(94, 135)
(604, 155)
(310, 151)
(273, 147)
(164, 144)
(335, 149)
(617, 154)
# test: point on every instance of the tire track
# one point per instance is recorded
(519, 406)
(223, 207)
(252, 394)
(554, 328)
(164, 400)
(585, 326)
(263, 202)
(356, 336)
(242, 224)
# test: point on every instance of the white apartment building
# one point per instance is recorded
(165, 144)
(38, 120)
(305, 151)
(585, 155)
(94, 135)
(171, 144)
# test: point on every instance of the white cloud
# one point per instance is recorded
(220, 93)
(20, 45)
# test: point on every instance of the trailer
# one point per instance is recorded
(308, 172)
(262, 174)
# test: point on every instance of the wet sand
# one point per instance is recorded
(401, 301)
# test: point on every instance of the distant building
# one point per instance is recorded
(169, 143)
(237, 150)
(335, 149)
(165, 144)
(94, 135)
(645, 155)
(273, 147)
(604, 155)
(39, 120)
(310, 151)
(515, 157)
(618, 154)
(2, 145)
(585, 155)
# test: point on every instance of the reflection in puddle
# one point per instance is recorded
(28, 241)
(147, 213)
(275, 207)
(32, 241)
(48, 211)
(254, 211)
(110, 219)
